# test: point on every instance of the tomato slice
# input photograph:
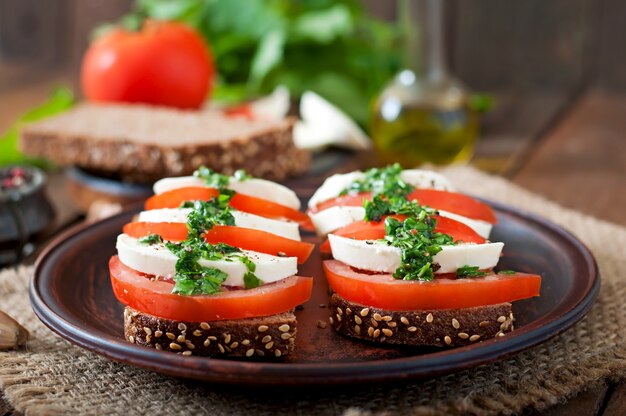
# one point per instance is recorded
(250, 204)
(134, 289)
(448, 201)
(243, 238)
(364, 230)
(383, 291)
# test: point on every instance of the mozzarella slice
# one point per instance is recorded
(258, 188)
(334, 218)
(242, 219)
(377, 256)
(159, 261)
(419, 178)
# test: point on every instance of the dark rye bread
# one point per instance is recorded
(439, 328)
(268, 337)
(143, 143)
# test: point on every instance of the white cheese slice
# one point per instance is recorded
(157, 260)
(377, 256)
(258, 188)
(242, 219)
(419, 178)
(334, 218)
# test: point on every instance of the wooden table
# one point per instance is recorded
(572, 151)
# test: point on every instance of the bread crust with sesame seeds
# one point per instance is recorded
(436, 328)
(143, 143)
(269, 337)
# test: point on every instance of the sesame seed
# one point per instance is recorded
(339, 311)
(483, 324)
(250, 352)
(504, 326)
(206, 342)
(501, 334)
(365, 311)
(374, 323)
(197, 333)
(370, 331)
(148, 338)
(234, 345)
(266, 338)
(221, 348)
(158, 347)
(404, 320)
(358, 320)
(131, 339)
(387, 332)
(158, 334)
(187, 353)
(376, 333)
(262, 328)
(182, 327)
(331, 320)
(175, 346)
(511, 316)
(227, 338)
(147, 330)
(412, 329)
(212, 338)
(387, 318)
(284, 328)
(285, 335)
(245, 342)
(392, 324)
(357, 329)
(378, 317)
(277, 353)
(170, 335)
(455, 324)
(180, 338)
(501, 319)
(190, 345)
(447, 340)
(260, 353)
(437, 339)
(463, 335)
(269, 345)
(338, 318)
(205, 326)
(474, 338)
(429, 318)
(348, 311)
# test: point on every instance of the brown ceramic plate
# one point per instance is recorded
(71, 294)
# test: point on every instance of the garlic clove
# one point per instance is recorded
(12, 334)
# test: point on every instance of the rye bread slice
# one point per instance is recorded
(438, 328)
(144, 143)
(268, 337)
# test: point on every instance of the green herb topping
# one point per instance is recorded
(469, 271)
(510, 272)
(241, 175)
(381, 181)
(380, 206)
(151, 239)
(217, 180)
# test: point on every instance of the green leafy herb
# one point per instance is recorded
(418, 241)
(241, 175)
(469, 271)
(381, 181)
(212, 178)
(206, 214)
(151, 239)
(509, 272)
(380, 206)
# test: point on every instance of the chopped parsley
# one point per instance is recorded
(218, 180)
(469, 271)
(510, 272)
(380, 206)
(205, 214)
(241, 175)
(151, 239)
(381, 181)
(418, 241)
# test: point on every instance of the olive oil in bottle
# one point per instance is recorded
(423, 114)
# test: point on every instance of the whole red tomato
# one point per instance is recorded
(166, 63)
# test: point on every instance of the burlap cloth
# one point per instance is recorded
(52, 376)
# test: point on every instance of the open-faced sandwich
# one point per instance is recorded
(412, 261)
(210, 268)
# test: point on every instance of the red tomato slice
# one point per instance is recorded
(363, 230)
(383, 291)
(250, 204)
(448, 201)
(134, 289)
(243, 238)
